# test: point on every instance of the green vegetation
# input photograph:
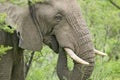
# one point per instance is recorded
(4, 27)
(103, 20)
(106, 70)
(44, 67)
(4, 49)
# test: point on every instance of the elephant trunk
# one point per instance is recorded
(83, 47)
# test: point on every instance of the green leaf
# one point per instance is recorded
(3, 49)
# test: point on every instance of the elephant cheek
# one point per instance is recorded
(64, 36)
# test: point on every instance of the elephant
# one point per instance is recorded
(11, 63)
(56, 23)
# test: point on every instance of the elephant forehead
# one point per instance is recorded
(63, 6)
(60, 5)
(46, 10)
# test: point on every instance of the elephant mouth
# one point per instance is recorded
(54, 45)
(52, 42)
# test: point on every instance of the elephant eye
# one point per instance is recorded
(58, 17)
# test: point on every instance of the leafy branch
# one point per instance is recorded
(4, 26)
(4, 49)
(114, 4)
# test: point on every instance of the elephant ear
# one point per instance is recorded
(20, 19)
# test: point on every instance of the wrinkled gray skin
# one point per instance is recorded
(61, 26)
(12, 63)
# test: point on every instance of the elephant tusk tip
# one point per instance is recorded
(100, 53)
(83, 62)
(86, 63)
(105, 55)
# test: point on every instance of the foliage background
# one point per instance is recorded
(103, 20)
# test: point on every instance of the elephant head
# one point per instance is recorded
(60, 25)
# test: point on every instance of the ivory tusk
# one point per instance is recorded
(75, 57)
(99, 53)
